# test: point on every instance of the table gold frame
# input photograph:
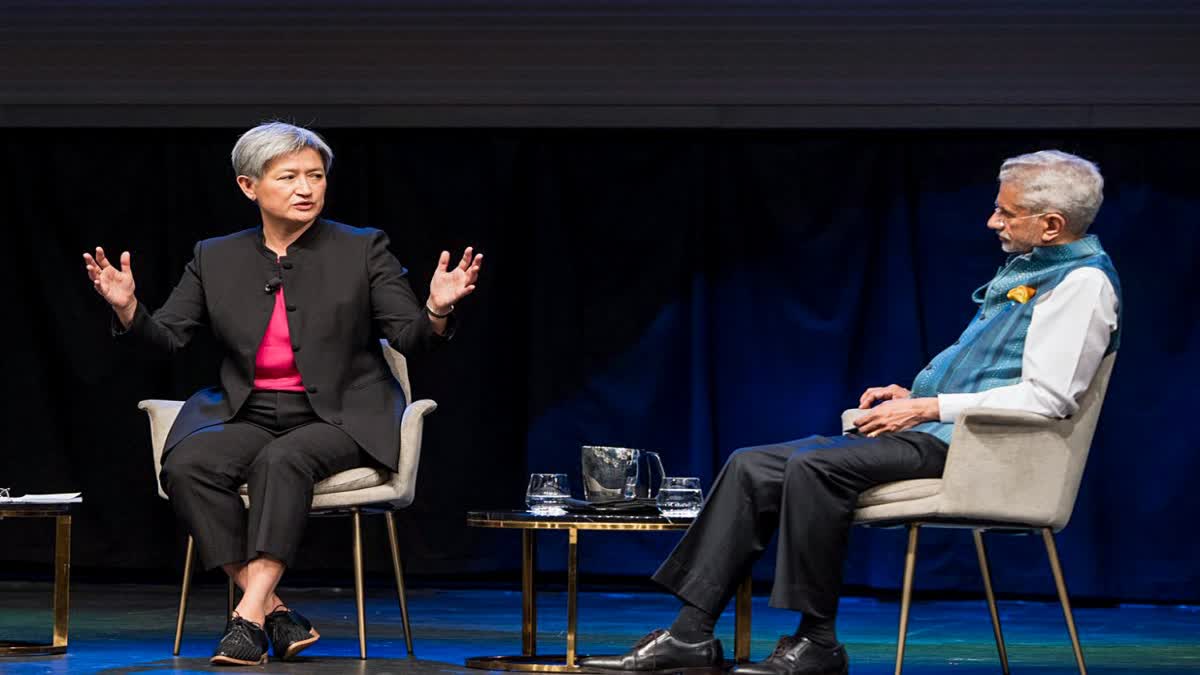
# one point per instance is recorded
(530, 660)
(62, 577)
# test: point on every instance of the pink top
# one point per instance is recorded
(274, 365)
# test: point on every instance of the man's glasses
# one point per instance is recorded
(1005, 220)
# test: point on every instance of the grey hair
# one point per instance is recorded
(1052, 180)
(258, 146)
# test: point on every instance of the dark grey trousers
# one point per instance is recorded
(279, 448)
(807, 489)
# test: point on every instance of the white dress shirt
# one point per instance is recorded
(1068, 335)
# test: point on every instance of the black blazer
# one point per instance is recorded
(344, 291)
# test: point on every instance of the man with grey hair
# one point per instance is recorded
(1042, 327)
(1064, 187)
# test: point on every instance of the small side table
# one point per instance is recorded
(61, 513)
(573, 523)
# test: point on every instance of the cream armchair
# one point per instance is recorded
(1006, 470)
(354, 492)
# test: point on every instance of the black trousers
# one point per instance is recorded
(279, 448)
(807, 489)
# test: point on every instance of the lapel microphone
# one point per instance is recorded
(273, 284)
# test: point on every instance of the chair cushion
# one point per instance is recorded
(354, 479)
(900, 491)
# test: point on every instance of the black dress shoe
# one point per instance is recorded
(799, 656)
(244, 644)
(660, 652)
(290, 633)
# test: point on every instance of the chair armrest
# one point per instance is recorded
(412, 428)
(977, 416)
(1007, 465)
(850, 417)
(1010, 418)
(162, 415)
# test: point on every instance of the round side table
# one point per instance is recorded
(573, 523)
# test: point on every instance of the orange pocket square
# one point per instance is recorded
(1022, 293)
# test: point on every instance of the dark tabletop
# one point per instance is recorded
(590, 521)
(35, 510)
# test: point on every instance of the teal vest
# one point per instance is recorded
(989, 352)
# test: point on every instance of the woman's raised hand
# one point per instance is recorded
(448, 286)
(113, 284)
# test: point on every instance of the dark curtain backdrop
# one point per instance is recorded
(690, 292)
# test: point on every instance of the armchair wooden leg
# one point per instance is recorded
(985, 570)
(358, 584)
(741, 626)
(1061, 584)
(230, 597)
(397, 570)
(910, 564)
(184, 591)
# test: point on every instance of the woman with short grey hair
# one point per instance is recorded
(297, 303)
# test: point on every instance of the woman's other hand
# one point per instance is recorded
(113, 284)
(448, 286)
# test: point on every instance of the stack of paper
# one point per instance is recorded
(57, 498)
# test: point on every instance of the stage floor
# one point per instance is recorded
(129, 628)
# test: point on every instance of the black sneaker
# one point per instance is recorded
(244, 644)
(290, 633)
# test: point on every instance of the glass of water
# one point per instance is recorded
(547, 494)
(680, 497)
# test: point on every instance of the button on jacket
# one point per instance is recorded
(347, 291)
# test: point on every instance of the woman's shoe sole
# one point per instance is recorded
(300, 645)
(230, 661)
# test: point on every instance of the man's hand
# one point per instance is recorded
(876, 394)
(898, 415)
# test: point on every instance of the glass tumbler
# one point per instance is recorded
(547, 493)
(680, 497)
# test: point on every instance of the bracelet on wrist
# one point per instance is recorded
(435, 314)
